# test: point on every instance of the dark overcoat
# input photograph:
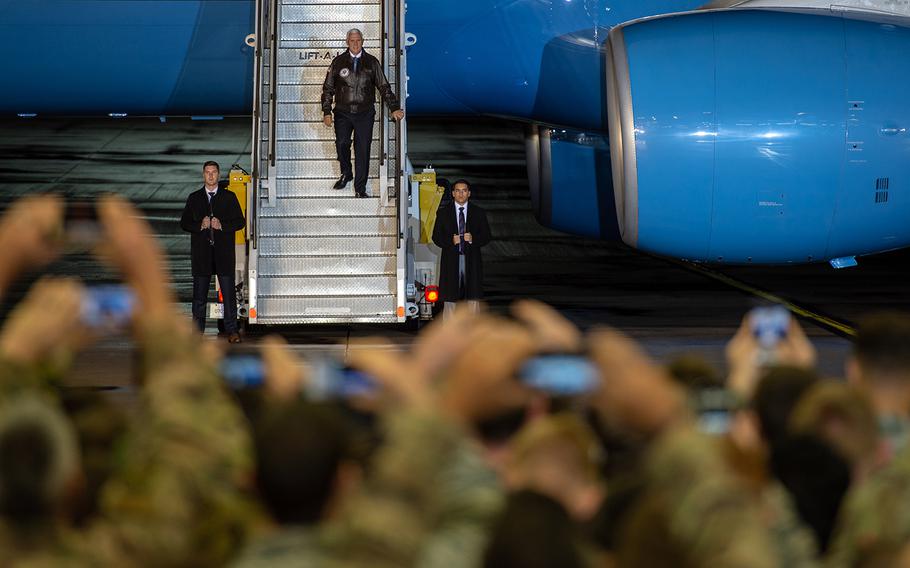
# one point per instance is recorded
(205, 258)
(446, 226)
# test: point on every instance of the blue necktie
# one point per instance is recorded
(461, 229)
(356, 61)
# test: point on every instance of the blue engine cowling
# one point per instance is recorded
(760, 136)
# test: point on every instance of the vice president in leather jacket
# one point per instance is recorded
(351, 82)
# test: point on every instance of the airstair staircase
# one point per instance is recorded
(315, 254)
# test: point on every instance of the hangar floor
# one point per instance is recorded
(671, 307)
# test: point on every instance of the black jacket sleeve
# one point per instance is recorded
(188, 221)
(382, 84)
(328, 90)
(234, 220)
(441, 236)
(481, 228)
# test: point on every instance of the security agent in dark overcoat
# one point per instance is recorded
(212, 250)
(451, 286)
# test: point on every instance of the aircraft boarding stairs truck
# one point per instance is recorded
(313, 254)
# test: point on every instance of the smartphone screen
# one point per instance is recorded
(354, 383)
(716, 421)
(243, 370)
(770, 325)
(329, 380)
(561, 375)
(714, 407)
(107, 307)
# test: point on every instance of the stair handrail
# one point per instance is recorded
(383, 49)
(273, 84)
(399, 124)
(253, 199)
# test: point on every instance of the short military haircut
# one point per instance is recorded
(353, 31)
(38, 460)
(299, 448)
(211, 163)
(841, 415)
(882, 345)
(462, 181)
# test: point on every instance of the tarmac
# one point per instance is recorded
(672, 307)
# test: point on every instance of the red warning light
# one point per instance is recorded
(431, 293)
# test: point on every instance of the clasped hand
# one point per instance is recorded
(212, 222)
(468, 238)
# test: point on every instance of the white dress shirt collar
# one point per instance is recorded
(457, 207)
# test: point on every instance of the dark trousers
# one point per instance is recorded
(201, 285)
(361, 126)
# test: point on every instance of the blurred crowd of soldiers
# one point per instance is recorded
(453, 462)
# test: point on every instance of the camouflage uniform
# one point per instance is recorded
(710, 518)
(429, 503)
(794, 543)
(174, 498)
(874, 522)
(297, 546)
(896, 431)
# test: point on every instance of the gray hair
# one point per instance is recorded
(353, 31)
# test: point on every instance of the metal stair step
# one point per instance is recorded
(317, 187)
(312, 54)
(326, 246)
(327, 310)
(311, 32)
(315, 130)
(327, 207)
(296, 111)
(315, 149)
(374, 264)
(307, 72)
(309, 93)
(348, 13)
(317, 2)
(328, 227)
(310, 75)
(321, 286)
(309, 169)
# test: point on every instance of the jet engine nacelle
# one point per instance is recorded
(760, 136)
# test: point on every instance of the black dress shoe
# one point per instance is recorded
(361, 194)
(342, 181)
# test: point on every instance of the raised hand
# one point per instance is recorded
(131, 248)
(552, 332)
(635, 395)
(30, 235)
(46, 326)
(285, 373)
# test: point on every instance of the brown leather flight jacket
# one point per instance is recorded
(353, 92)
